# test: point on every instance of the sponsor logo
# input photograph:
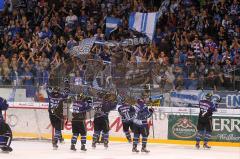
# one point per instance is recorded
(184, 96)
(184, 128)
(226, 125)
(226, 129)
(233, 101)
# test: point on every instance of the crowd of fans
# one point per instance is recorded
(196, 41)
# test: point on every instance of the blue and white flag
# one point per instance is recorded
(144, 22)
(111, 25)
(84, 47)
(1, 5)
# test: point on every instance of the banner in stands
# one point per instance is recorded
(189, 98)
(84, 47)
(125, 42)
(184, 127)
(186, 97)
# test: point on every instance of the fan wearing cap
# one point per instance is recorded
(204, 127)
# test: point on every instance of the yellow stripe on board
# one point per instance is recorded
(122, 139)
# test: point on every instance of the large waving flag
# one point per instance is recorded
(1, 5)
(84, 47)
(111, 25)
(144, 22)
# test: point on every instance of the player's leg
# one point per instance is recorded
(126, 126)
(144, 133)
(83, 132)
(61, 140)
(105, 129)
(136, 138)
(207, 134)
(200, 133)
(75, 131)
(74, 141)
(97, 130)
(56, 123)
(5, 137)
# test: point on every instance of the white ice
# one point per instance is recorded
(43, 150)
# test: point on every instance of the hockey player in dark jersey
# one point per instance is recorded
(101, 122)
(204, 127)
(55, 110)
(5, 130)
(141, 125)
(127, 113)
(81, 105)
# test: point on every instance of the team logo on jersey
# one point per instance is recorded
(184, 128)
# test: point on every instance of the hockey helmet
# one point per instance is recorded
(140, 102)
(80, 96)
(208, 96)
(56, 90)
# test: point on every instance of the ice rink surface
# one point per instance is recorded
(43, 150)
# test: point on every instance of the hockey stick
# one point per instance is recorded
(150, 99)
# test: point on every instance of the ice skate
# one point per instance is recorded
(6, 149)
(73, 147)
(83, 148)
(55, 146)
(61, 140)
(134, 149)
(93, 144)
(106, 144)
(197, 145)
(144, 149)
(206, 146)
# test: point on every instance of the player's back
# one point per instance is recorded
(142, 114)
(206, 109)
(80, 107)
(126, 111)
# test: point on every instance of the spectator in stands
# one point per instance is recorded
(210, 82)
(15, 76)
(228, 71)
(28, 81)
(237, 59)
(197, 46)
(105, 54)
(191, 82)
(78, 79)
(71, 42)
(190, 36)
(71, 20)
(42, 76)
(179, 83)
(5, 73)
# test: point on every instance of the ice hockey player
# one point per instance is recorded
(81, 105)
(101, 122)
(56, 97)
(140, 123)
(5, 130)
(127, 113)
(204, 127)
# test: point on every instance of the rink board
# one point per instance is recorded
(30, 121)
